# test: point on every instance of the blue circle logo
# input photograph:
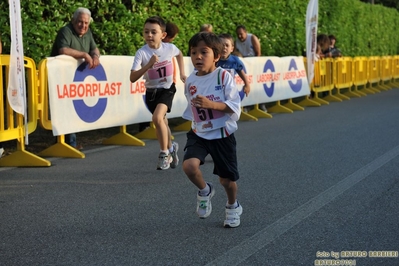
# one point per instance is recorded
(90, 114)
(298, 86)
(269, 66)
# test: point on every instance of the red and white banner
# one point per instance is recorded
(311, 36)
(16, 85)
(84, 99)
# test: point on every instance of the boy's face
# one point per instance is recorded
(153, 35)
(228, 48)
(203, 58)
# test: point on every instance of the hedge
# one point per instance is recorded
(361, 29)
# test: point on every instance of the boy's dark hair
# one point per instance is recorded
(227, 36)
(211, 40)
(156, 20)
(171, 29)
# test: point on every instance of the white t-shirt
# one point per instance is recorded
(245, 48)
(217, 86)
(161, 74)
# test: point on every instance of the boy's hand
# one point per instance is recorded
(247, 90)
(202, 102)
(183, 78)
(153, 60)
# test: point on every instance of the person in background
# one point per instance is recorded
(231, 62)
(171, 32)
(206, 28)
(247, 44)
(333, 51)
(76, 40)
(214, 121)
(155, 61)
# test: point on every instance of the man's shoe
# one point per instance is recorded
(164, 161)
(204, 206)
(175, 158)
(233, 217)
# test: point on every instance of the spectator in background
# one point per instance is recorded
(206, 28)
(332, 50)
(247, 44)
(323, 44)
(76, 40)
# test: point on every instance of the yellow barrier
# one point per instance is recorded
(385, 72)
(343, 77)
(374, 73)
(360, 76)
(11, 123)
(324, 82)
(395, 70)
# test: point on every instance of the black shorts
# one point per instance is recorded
(223, 152)
(153, 97)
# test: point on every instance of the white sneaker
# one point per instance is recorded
(164, 161)
(204, 205)
(175, 161)
(263, 107)
(233, 217)
(1, 152)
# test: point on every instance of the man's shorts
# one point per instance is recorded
(223, 152)
(153, 97)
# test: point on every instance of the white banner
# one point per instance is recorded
(16, 85)
(311, 36)
(84, 99)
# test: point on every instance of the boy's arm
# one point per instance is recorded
(255, 44)
(180, 62)
(247, 87)
(136, 74)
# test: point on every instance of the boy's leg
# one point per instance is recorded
(191, 168)
(231, 189)
(158, 118)
(206, 190)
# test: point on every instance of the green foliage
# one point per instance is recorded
(360, 28)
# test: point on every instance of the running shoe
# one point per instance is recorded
(164, 161)
(233, 217)
(175, 161)
(204, 206)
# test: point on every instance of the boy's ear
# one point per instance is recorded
(217, 58)
(164, 35)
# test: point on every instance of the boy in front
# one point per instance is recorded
(213, 107)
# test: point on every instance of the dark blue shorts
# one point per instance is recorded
(223, 152)
(153, 97)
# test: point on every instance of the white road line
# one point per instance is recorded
(255, 243)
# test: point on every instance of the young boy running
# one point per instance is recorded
(213, 107)
(231, 62)
(155, 61)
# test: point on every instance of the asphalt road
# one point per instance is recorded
(317, 186)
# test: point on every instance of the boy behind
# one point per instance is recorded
(155, 61)
(213, 107)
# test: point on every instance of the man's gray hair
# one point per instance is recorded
(80, 10)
